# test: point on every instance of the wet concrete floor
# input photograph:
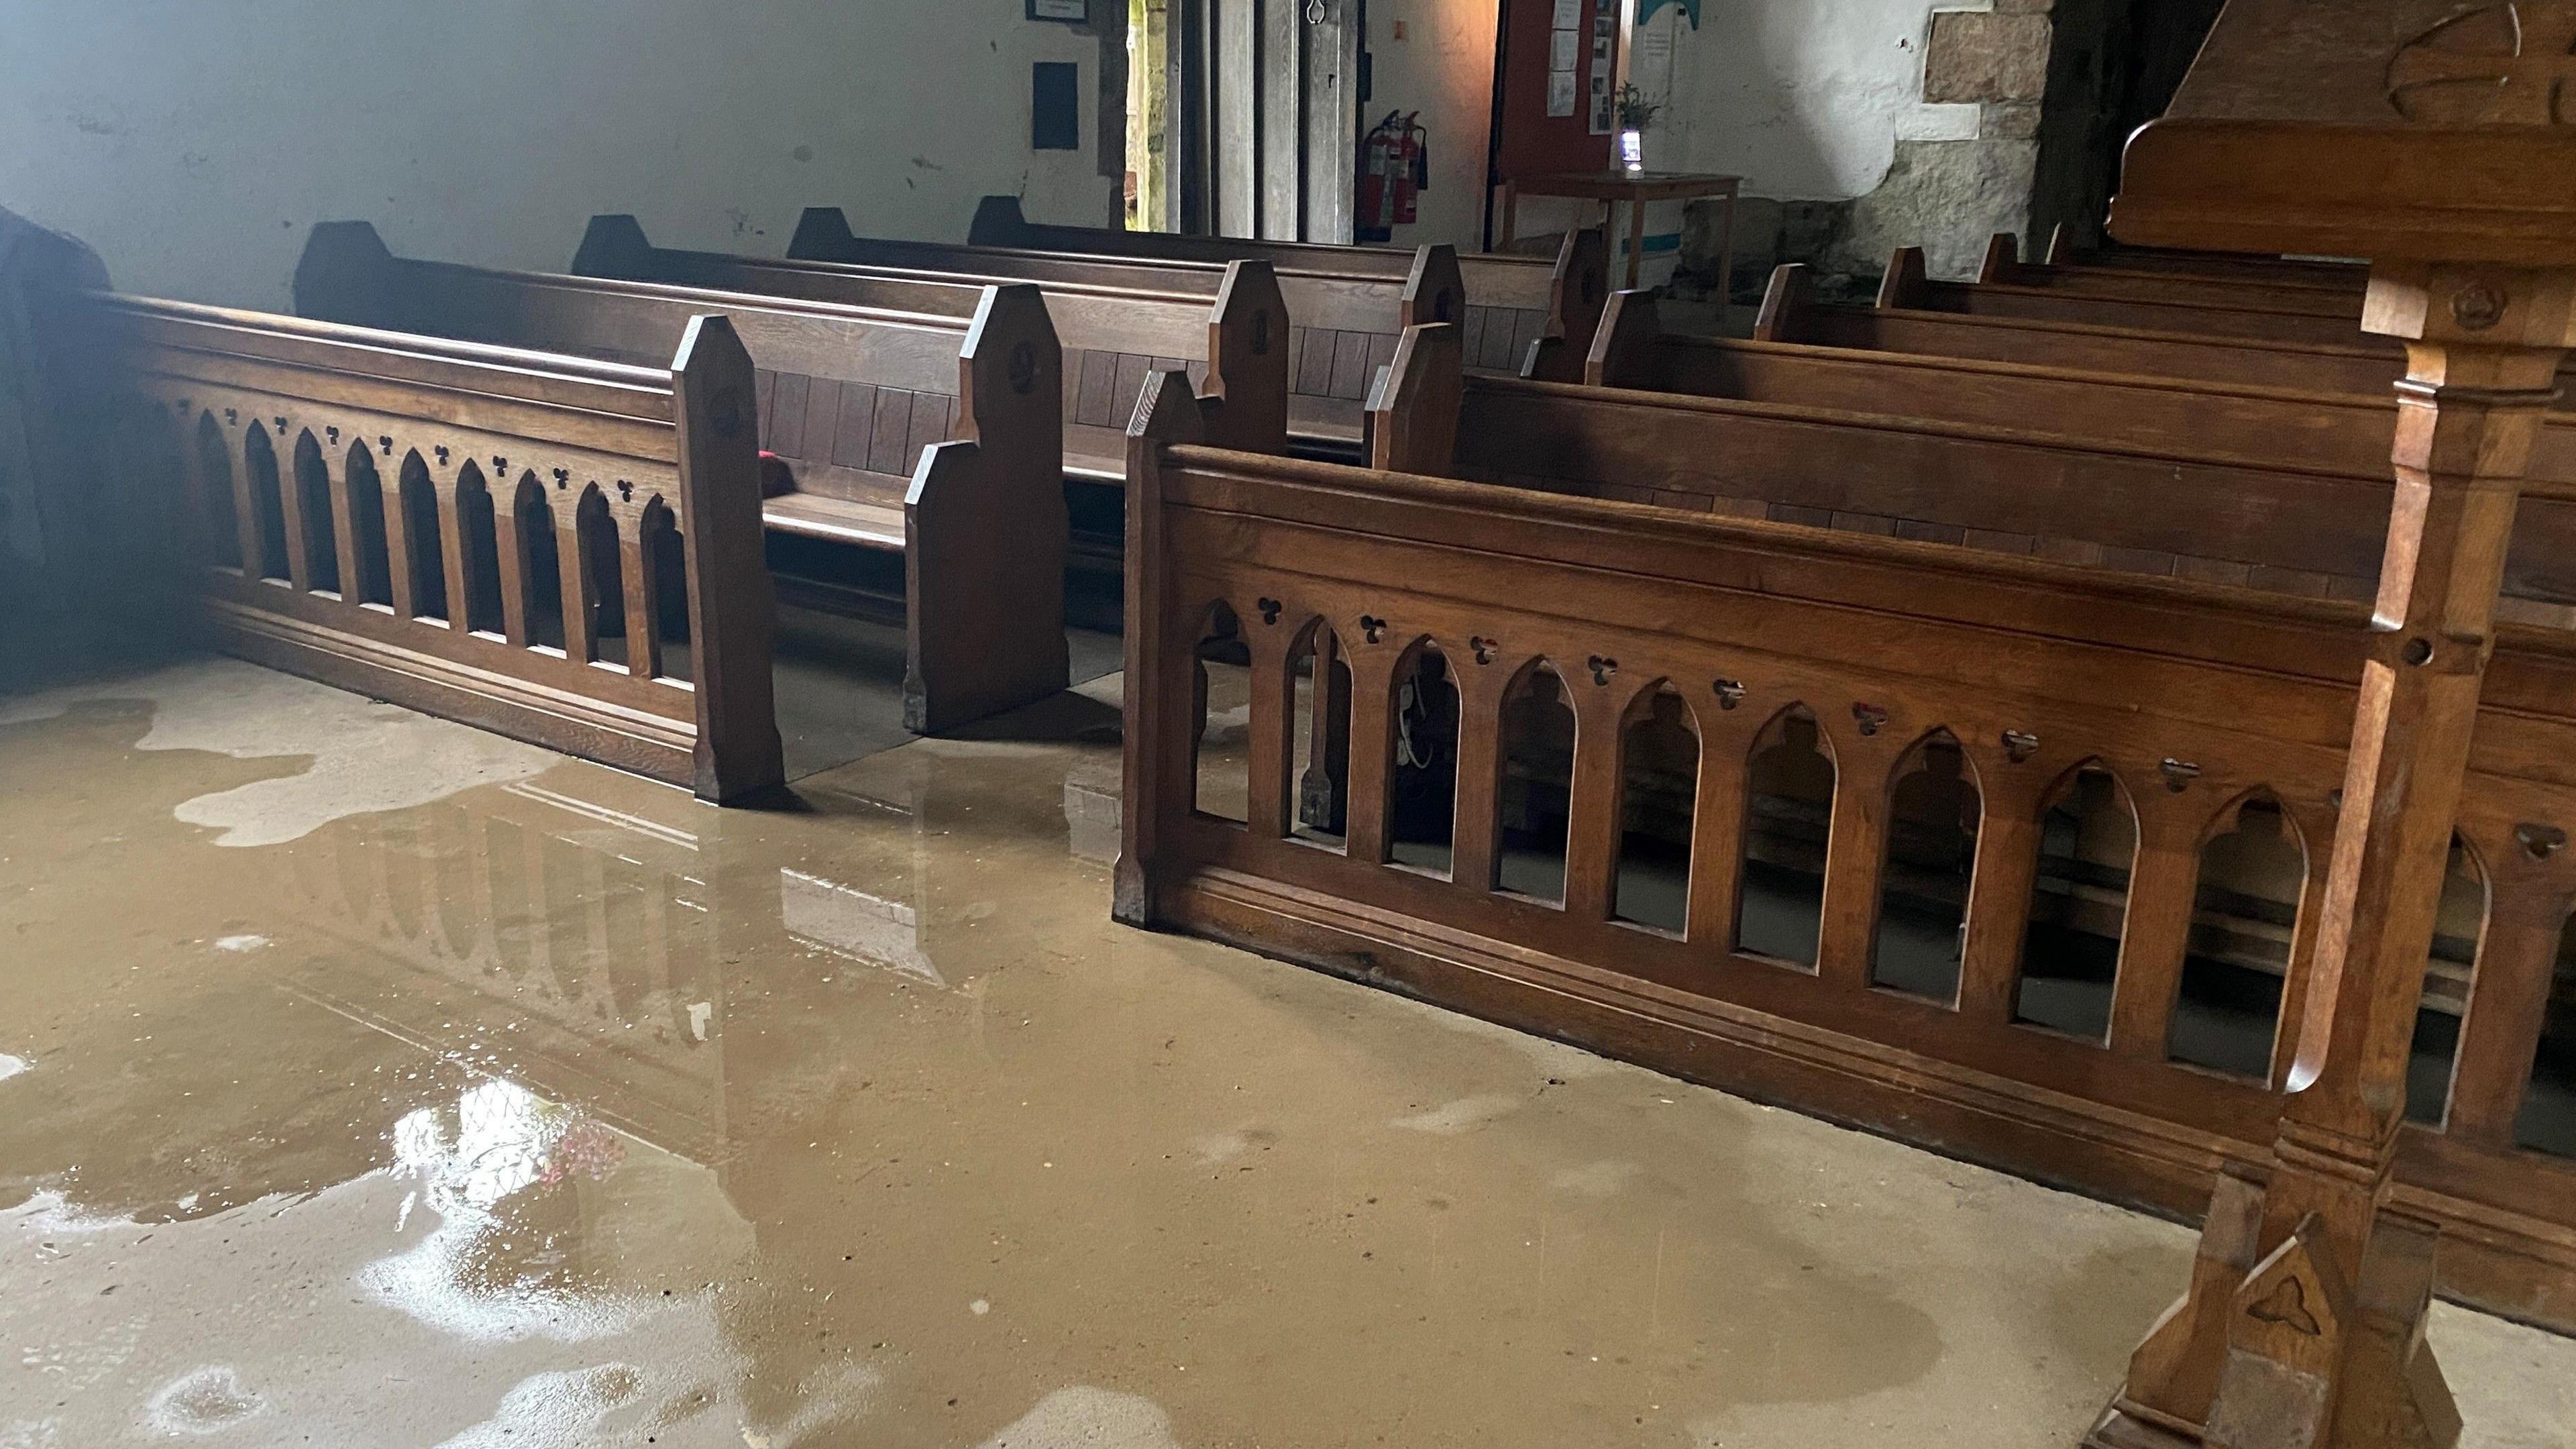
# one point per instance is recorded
(368, 1080)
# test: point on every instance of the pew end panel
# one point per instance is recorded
(1624, 349)
(732, 605)
(999, 222)
(54, 563)
(1247, 375)
(1434, 289)
(1785, 303)
(1413, 409)
(2002, 265)
(1578, 290)
(986, 529)
(1170, 412)
(614, 245)
(1906, 283)
(822, 235)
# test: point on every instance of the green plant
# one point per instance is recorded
(1636, 113)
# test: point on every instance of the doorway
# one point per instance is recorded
(1260, 115)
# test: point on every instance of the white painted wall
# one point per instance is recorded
(192, 142)
(1444, 68)
(1805, 99)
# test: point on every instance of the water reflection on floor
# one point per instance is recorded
(540, 1105)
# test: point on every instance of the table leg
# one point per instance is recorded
(1636, 238)
(1511, 217)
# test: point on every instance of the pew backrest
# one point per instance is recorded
(2292, 294)
(2256, 313)
(1791, 313)
(1512, 302)
(2268, 430)
(1343, 324)
(1112, 335)
(2149, 504)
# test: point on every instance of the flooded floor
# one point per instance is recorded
(368, 1080)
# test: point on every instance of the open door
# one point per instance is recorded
(1283, 113)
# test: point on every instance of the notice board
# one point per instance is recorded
(1560, 64)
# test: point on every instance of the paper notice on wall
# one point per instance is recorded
(1653, 66)
(1569, 14)
(1563, 47)
(1561, 93)
(1601, 105)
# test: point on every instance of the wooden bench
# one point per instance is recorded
(1233, 346)
(1791, 313)
(931, 432)
(2258, 313)
(2200, 519)
(1514, 303)
(1342, 325)
(2063, 251)
(2168, 722)
(2299, 294)
(560, 549)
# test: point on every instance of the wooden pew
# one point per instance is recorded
(2256, 313)
(2169, 261)
(1513, 302)
(1791, 313)
(2293, 294)
(1233, 345)
(1112, 336)
(932, 433)
(2185, 710)
(2214, 436)
(1342, 324)
(2270, 520)
(556, 548)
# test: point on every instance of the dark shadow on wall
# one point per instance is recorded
(2113, 66)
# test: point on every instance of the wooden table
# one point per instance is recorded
(1636, 188)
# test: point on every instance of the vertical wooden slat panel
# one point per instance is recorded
(1855, 857)
(344, 527)
(2508, 998)
(1274, 726)
(1473, 853)
(453, 555)
(1592, 799)
(2158, 928)
(1717, 823)
(580, 597)
(1999, 891)
(1372, 742)
(638, 569)
(245, 508)
(400, 554)
(290, 506)
(512, 550)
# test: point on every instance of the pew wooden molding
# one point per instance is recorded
(379, 511)
(935, 434)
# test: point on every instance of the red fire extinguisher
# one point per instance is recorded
(1395, 164)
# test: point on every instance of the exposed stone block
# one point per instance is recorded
(1977, 55)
